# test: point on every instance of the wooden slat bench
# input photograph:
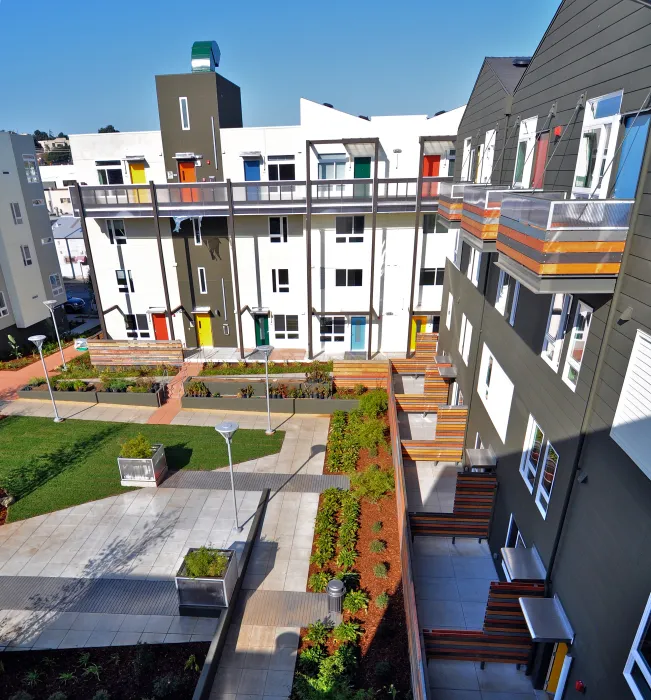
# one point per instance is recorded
(439, 450)
(348, 373)
(503, 611)
(417, 403)
(467, 645)
(413, 366)
(475, 493)
(448, 525)
(119, 353)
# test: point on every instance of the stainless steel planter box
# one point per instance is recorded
(143, 472)
(206, 596)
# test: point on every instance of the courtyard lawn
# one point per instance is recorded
(49, 466)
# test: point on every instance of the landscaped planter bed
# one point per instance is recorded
(257, 367)
(125, 672)
(143, 472)
(232, 403)
(124, 398)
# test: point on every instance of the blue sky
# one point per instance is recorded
(76, 65)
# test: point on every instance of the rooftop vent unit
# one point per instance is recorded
(205, 56)
(521, 61)
(327, 104)
(363, 116)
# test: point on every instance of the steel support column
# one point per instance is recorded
(166, 291)
(373, 225)
(308, 245)
(419, 193)
(236, 279)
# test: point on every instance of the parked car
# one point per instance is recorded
(74, 305)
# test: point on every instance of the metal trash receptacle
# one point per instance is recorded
(336, 591)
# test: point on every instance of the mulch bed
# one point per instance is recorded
(121, 673)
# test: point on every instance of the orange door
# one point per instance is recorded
(187, 173)
(431, 165)
(160, 327)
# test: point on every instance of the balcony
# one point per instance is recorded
(451, 199)
(277, 197)
(480, 214)
(555, 245)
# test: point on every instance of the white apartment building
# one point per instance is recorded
(56, 180)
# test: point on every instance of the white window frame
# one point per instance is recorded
(514, 303)
(448, 311)
(196, 230)
(542, 497)
(27, 255)
(457, 249)
(465, 338)
(284, 228)
(526, 135)
(527, 467)
(127, 285)
(276, 284)
(556, 343)
(502, 291)
(457, 395)
(31, 171)
(636, 659)
(353, 236)
(4, 309)
(332, 337)
(348, 279)
(277, 162)
(106, 165)
(283, 333)
(138, 331)
(16, 213)
(508, 290)
(474, 265)
(608, 129)
(203, 280)
(439, 273)
(117, 235)
(577, 336)
(338, 163)
(185, 118)
(488, 154)
(467, 157)
(56, 284)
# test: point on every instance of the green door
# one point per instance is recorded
(261, 330)
(362, 168)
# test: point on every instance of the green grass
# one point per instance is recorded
(49, 466)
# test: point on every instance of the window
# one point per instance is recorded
(349, 229)
(457, 249)
(117, 232)
(16, 213)
(27, 256)
(506, 299)
(467, 158)
(465, 338)
(136, 325)
(196, 230)
(332, 329)
(4, 310)
(110, 172)
(637, 670)
(457, 395)
(532, 453)
(555, 333)
(31, 172)
(286, 327)
(55, 283)
(546, 483)
(278, 229)
(540, 159)
(185, 115)
(495, 390)
(448, 311)
(513, 535)
(524, 154)
(348, 278)
(68, 183)
(474, 263)
(203, 283)
(429, 223)
(125, 281)
(432, 276)
(280, 280)
(486, 164)
(578, 339)
(279, 170)
(632, 418)
(331, 167)
(452, 154)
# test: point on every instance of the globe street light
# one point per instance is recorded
(38, 341)
(266, 350)
(50, 303)
(227, 429)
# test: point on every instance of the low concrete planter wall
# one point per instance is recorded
(326, 406)
(323, 406)
(206, 596)
(143, 472)
(128, 398)
(79, 396)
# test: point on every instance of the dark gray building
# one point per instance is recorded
(546, 317)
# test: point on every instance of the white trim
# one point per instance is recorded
(27, 255)
(4, 309)
(555, 343)
(570, 362)
(465, 338)
(448, 311)
(542, 498)
(196, 229)
(514, 303)
(527, 468)
(203, 281)
(636, 659)
(185, 118)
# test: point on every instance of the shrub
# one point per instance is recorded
(142, 663)
(246, 392)
(382, 601)
(32, 678)
(383, 671)
(380, 570)
(319, 581)
(191, 664)
(373, 483)
(36, 381)
(347, 632)
(359, 389)
(318, 632)
(171, 686)
(377, 546)
(320, 558)
(117, 385)
(373, 403)
(102, 695)
(317, 373)
(350, 579)
(355, 601)
(371, 434)
(310, 659)
(63, 385)
(142, 386)
(80, 385)
(22, 695)
(58, 695)
(67, 677)
(197, 389)
(205, 562)
(138, 447)
(346, 558)
(376, 527)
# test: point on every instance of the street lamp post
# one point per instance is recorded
(50, 303)
(227, 429)
(38, 341)
(266, 350)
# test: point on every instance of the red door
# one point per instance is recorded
(160, 327)
(540, 161)
(187, 173)
(431, 165)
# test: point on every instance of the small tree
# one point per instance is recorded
(108, 129)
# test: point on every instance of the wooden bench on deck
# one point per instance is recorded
(348, 373)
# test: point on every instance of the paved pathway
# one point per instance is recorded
(288, 483)
(77, 410)
(282, 608)
(172, 406)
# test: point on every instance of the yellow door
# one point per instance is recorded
(418, 325)
(560, 652)
(137, 171)
(204, 330)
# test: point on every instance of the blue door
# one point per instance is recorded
(252, 174)
(630, 159)
(358, 333)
